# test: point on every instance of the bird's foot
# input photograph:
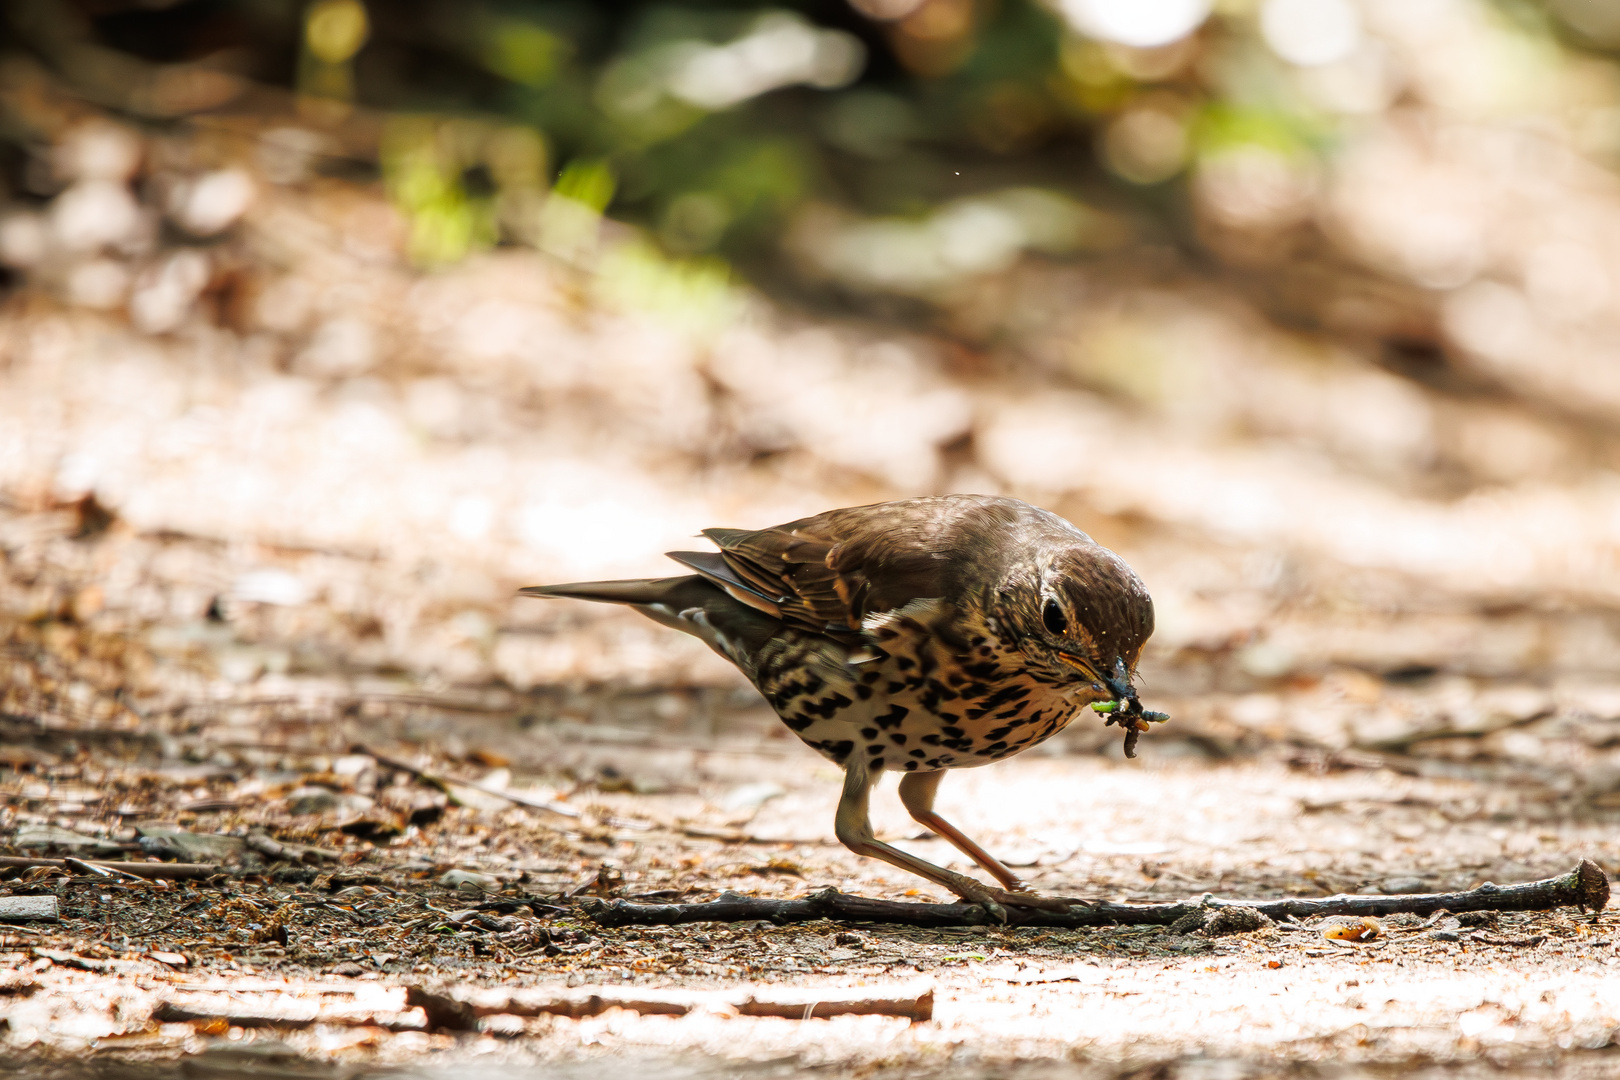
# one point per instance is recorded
(1029, 898)
(996, 901)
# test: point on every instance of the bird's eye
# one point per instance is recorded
(1052, 615)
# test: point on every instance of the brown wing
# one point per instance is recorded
(829, 572)
(797, 566)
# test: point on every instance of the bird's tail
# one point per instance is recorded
(636, 591)
(689, 603)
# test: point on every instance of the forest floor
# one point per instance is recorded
(257, 576)
(315, 966)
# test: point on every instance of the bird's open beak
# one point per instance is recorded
(1118, 683)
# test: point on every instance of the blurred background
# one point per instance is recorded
(325, 326)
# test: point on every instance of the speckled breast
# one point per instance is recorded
(914, 710)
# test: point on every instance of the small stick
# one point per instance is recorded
(265, 845)
(443, 783)
(460, 1010)
(1586, 886)
(1524, 942)
(264, 1011)
(172, 871)
(100, 871)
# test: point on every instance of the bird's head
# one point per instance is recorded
(1082, 616)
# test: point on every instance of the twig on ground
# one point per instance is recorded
(1585, 886)
(171, 871)
(271, 848)
(1524, 942)
(445, 783)
(241, 1009)
(98, 869)
(462, 1009)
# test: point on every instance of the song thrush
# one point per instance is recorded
(914, 636)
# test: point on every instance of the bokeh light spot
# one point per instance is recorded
(334, 30)
(1310, 32)
(1144, 24)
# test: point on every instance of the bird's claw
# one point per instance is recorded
(996, 901)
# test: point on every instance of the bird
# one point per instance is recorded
(915, 636)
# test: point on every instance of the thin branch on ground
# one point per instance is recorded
(170, 871)
(446, 784)
(1586, 887)
(460, 1009)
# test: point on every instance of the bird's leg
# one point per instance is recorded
(917, 791)
(854, 828)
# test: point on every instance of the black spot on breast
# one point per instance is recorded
(893, 717)
(932, 763)
(876, 763)
(863, 691)
(911, 766)
(985, 650)
(897, 739)
(871, 677)
(980, 671)
(919, 753)
(895, 687)
(958, 744)
(868, 732)
(954, 732)
(931, 740)
(827, 707)
(798, 721)
(991, 749)
(904, 663)
(839, 749)
(996, 700)
(999, 733)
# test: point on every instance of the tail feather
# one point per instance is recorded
(690, 603)
(634, 591)
(714, 566)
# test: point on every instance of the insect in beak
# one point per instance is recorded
(1119, 683)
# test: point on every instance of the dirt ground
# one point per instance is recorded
(257, 572)
(681, 795)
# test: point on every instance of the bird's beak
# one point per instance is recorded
(1083, 665)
